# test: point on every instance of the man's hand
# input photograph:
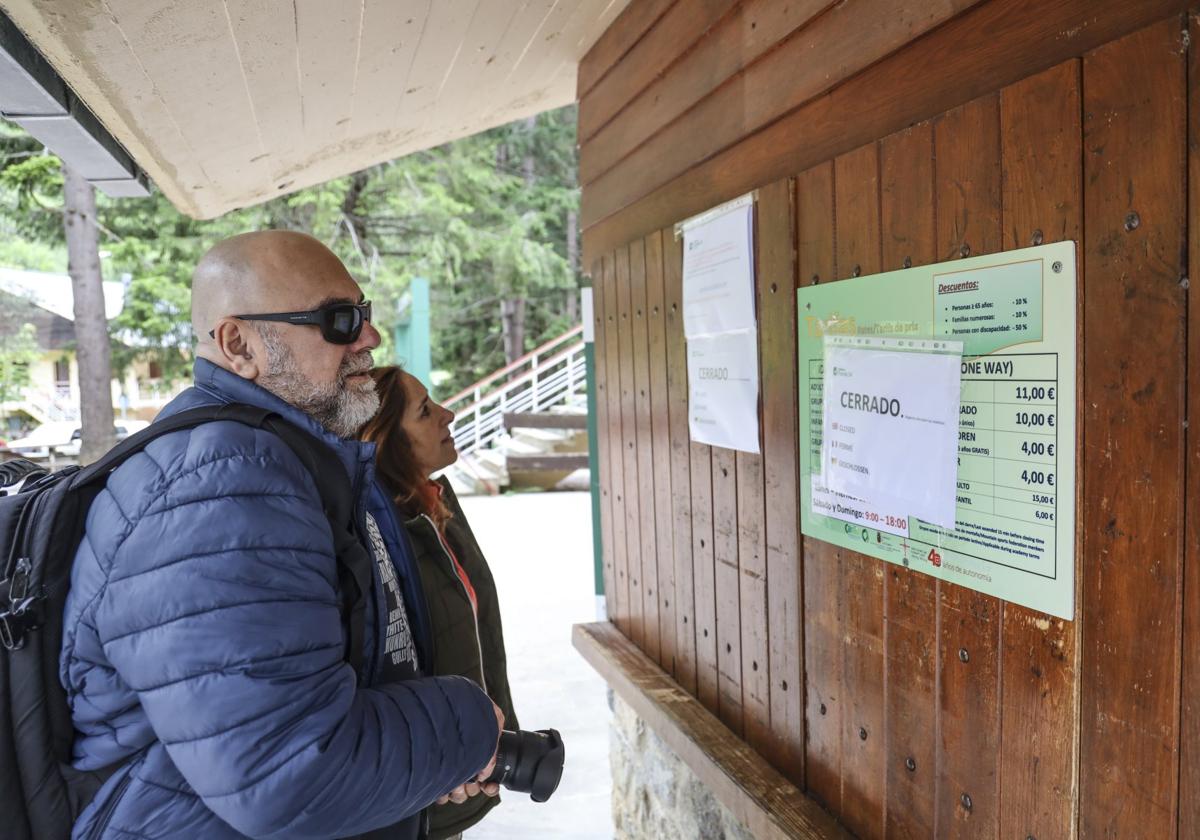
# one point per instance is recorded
(465, 791)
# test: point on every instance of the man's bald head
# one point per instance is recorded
(275, 272)
(265, 271)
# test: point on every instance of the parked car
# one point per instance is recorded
(37, 443)
(63, 436)
(122, 429)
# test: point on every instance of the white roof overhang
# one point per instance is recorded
(227, 103)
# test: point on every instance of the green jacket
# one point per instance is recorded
(458, 649)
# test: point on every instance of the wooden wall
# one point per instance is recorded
(881, 133)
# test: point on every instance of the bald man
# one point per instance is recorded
(204, 654)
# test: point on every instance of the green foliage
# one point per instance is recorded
(484, 218)
(32, 255)
(18, 346)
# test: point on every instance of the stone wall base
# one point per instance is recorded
(655, 795)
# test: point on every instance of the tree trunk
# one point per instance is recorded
(573, 264)
(91, 327)
(512, 310)
(358, 222)
(512, 320)
(529, 168)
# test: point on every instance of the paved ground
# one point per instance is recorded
(539, 546)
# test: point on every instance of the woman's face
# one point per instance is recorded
(427, 425)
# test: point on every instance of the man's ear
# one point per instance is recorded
(241, 348)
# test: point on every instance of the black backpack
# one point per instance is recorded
(41, 526)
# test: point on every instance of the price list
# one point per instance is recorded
(1008, 450)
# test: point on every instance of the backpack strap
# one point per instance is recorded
(328, 474)
(337, 499)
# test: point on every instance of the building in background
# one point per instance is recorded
(44, 300)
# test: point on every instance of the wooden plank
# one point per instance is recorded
(644, 584)
(857, 251)
(752, 595)
(1189, 778)
(603, 441)
(661, 424)
(994, 44)
(633, 512)
(968, 713)
(967, 149)
(617, 597)
(633, 354)
(967, 195)
(616, 41)
(1134, 134)
(751, 499)
(703, 575)
(833, 48)
(740, 38)
(910, 707)
(784, 744)
(727, 587)
(1041, 148)
(681, 469)
(547, 462)
(756, 794)
(822, 631)
(680, 26)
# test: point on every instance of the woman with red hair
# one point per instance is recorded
(412, 441)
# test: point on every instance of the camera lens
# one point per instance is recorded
(529, 762)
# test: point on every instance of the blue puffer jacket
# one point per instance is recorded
(203, 647)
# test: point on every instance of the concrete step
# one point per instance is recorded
(542, 440)
(546, 461)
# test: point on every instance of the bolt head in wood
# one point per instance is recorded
(862, 733)
(966, 801)
(965, 250)
(963, 656)
(910, 764)
(1133, 221)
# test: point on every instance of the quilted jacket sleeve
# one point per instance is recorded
(221, 612)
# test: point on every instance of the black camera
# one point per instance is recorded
(529, 762)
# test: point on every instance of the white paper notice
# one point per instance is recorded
(891, 425)
(720, 327)
(723, 390)
(718, 274)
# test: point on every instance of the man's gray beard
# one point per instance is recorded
(340, 408)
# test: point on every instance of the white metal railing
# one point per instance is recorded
(47, 407)
(533, 383)
(530, 361)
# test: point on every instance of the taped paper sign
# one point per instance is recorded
(891, 424)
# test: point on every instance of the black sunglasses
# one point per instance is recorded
(340, 323)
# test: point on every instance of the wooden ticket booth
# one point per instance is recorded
(818, 692)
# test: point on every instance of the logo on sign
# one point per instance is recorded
(934, 557)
